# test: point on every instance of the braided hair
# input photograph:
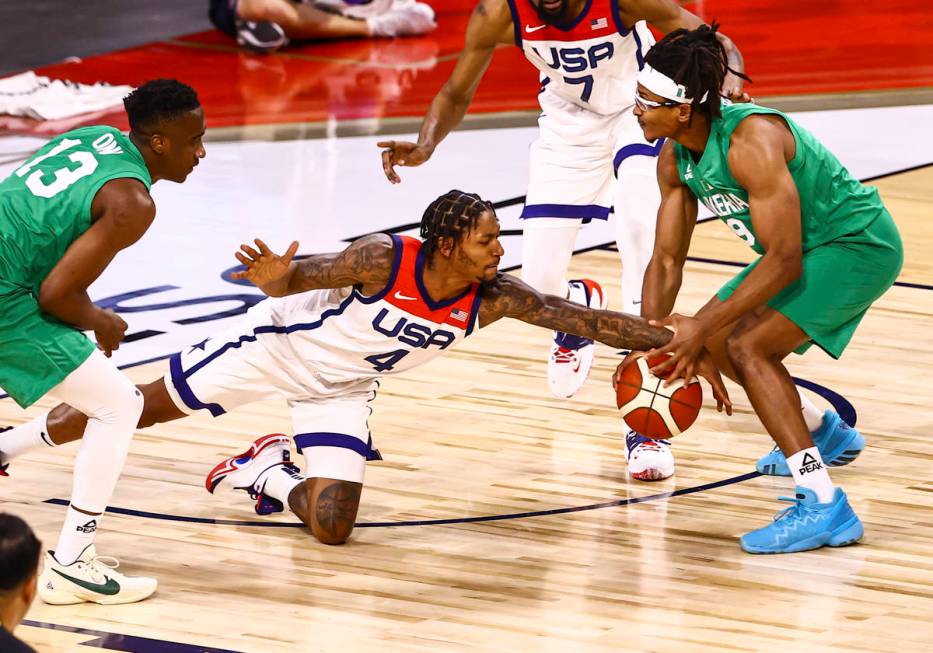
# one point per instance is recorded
(452, 215)
(696, 59)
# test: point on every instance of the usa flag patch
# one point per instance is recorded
(459, 315)
(598, 23)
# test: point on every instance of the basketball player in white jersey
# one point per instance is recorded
(590, 155)
(339, 321)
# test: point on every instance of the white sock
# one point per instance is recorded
(812, 415)
(26, 437)
(278, 482)
(809, 471)
(77, 534)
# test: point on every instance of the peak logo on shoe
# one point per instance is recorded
(110, 588)
(809, 464)
(89, 527)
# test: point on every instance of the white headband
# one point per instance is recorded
(660, 84)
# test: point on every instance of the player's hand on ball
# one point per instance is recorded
(109, 329)
(263, 266)
(685, 347)
(401, 153)
(630, 358)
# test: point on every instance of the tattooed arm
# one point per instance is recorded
(508, 296)
(366, 262)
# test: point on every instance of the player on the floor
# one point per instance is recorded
(265, 26)
(589, 156)
(339, 321)
(64, 215)
(828, 247)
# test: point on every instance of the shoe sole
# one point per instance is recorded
(650, 475)
(848, 533)
(60, 597)
(228, 465)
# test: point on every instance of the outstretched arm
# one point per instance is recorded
(508, 296)
(490, 24)
(367, 261)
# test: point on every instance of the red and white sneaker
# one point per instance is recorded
(572, 356)
(244, 471)
(648, 460)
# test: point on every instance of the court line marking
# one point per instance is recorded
(435, 522)
(129, 643)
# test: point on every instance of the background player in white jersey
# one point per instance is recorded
(590, 154)
(64, 215)
(338, 322)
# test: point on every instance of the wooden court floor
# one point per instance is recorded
(476, 434)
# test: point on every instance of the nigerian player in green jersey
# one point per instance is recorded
(828, 250)
(64, 214)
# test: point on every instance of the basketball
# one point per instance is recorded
(651, 409)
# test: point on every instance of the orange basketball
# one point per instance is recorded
(651, 409)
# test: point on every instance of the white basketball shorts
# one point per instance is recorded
(575, 159)
(234, 368)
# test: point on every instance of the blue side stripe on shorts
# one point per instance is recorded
(342, 440)
(185, 392)
(574, 211)
(636, 149)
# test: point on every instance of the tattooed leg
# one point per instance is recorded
(327, 506)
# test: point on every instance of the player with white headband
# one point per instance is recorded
(590, 157)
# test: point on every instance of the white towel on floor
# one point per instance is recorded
(30, 95)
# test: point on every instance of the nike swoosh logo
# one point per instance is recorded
(399, 295)
(530, 29)
(109, 588)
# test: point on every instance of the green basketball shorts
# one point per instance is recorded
(36, 351)
(840, 280)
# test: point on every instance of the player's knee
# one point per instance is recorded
(741, 351)
(123, 404)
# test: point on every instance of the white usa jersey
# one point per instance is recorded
(331, 340)
(591, 61)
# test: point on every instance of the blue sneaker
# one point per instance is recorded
(839, 445)
(807, 525)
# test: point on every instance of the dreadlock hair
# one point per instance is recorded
(452, 215)
(158, 101)
(696, 59)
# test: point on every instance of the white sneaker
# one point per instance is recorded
(92, 579)
(648, 460)
(403, 19)
(571, 356)
(243, 471)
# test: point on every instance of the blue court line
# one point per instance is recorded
(434, 522)
(129, 643)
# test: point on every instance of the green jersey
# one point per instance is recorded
(45, 204)
(833, 203)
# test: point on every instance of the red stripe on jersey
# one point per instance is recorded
(408, 294)
(596, 19)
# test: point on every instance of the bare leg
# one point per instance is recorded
(65, 424)
(327, 506)
(301, 21)
(756, 348)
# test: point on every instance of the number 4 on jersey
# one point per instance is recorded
(385, 362)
